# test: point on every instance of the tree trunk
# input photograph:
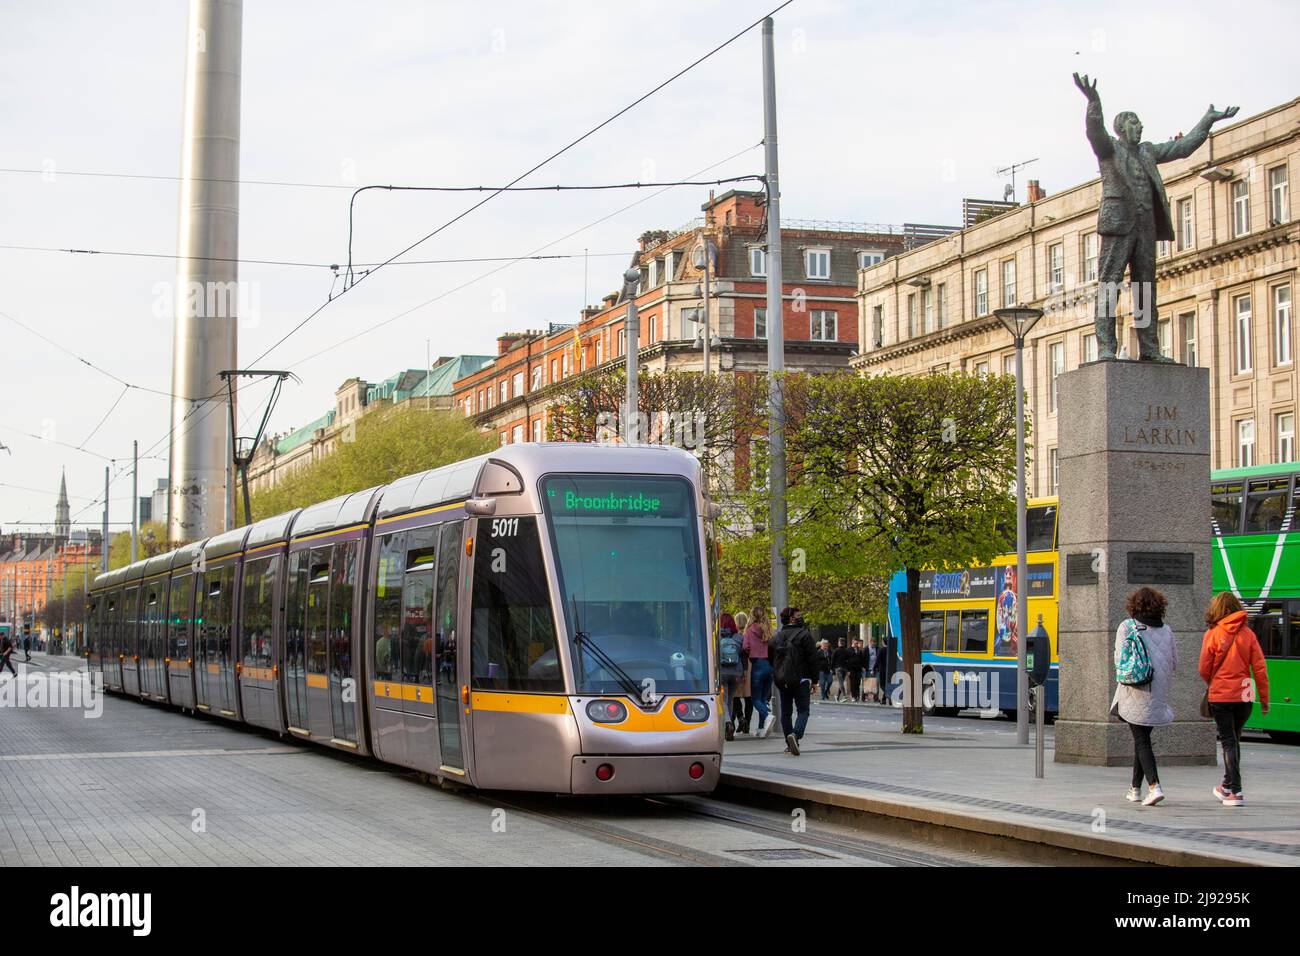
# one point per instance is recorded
(909, 612)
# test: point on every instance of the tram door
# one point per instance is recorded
(152, 680)
(418, 701)
(215, 668)
(316, 643)
(295, 666)
(129, 642)
(445, 607)
(343, 689)
(111, 625)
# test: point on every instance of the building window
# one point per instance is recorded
(1188, 322)
(505, 437)
(469, 406)
(1009, 364)
(824, 325)
(870, 258)
(757, 261)
(982, 368)
(600, 351)
(911, 315)
(1246, 443)
(1053, 470)
(1241, 309)
(817, 263)
(1090, 257)
(1286, 437)
(555, 377)
(1056, 359)
(565, 363)
(982, 292)
(941, 295)
(1089, 346)
(878, 326)
(1185, 238)
(927, 309)
(1163, 329)
(1009, 283)
(505, 394)
(655, 266)
(518, 384)
(537, 430)
(1282, 325)
(1278, 198)
(760, 323)
(1056, 266)
(516, 434)
(1240, 208)
(538, 371)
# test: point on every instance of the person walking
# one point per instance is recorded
(1230, 657)
(27, 644)
(755, 646)
(840, 661)
(731, 668)
(794, 665)
(742, 705)
(856, 664)
(882, 665)
(825, 673)
(871, 686)
(6, 654)
(1145, 706)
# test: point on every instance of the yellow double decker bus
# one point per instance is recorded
(970, 635)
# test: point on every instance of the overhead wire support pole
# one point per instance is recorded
(775, 331)
(241, 460)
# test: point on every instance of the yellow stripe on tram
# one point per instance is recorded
(500, 702)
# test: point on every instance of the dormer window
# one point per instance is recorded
(870, 257)
(817, 263)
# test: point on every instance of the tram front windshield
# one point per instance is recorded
(628, 555)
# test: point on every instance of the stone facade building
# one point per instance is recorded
(1224, 293)
(819, 263)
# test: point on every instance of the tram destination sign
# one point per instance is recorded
(1160, 567)
(626, 498)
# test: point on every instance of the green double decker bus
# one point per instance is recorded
(1256, 555)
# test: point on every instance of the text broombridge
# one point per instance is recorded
(1154, 432)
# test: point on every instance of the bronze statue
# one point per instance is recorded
(1134, 215)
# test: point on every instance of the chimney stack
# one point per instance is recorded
(1036, 192)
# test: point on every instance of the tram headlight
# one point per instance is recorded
(691, 711)
(607, 712)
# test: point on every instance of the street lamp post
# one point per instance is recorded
(1019, 321)
(706, 258)
(631, 278)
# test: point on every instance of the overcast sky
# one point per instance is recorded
(888, 113)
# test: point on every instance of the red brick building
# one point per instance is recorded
(820, 264)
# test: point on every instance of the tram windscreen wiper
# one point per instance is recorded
(582, 638)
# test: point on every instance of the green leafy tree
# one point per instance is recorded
(895, 472)
(387, 445)
(151, 541)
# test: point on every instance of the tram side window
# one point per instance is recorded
(448, 592)
(257, 611)
(1266, 504)
(150, 639)
(512, 637)
(178, 617)
(1040, 527)
(388, 606)
(130, 614)
(932, 630)
(417, 605)
(1225, 506)
(295, 613)
(974, 632)
(92, 626)
(340, 616)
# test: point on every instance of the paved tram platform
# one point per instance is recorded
(968, 774)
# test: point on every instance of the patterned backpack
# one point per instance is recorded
(1134, 668)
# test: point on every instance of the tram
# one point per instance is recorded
(533, 619)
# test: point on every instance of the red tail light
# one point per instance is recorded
(606, 771)
(696, 771)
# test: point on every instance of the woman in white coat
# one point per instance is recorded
(1147, 707)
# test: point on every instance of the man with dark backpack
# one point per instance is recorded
(794, 666)
(731, 667)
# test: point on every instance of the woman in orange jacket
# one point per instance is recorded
(1230, 656)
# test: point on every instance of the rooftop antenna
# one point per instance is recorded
(1009, 192)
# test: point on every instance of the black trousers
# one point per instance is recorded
(7, 662)
(1230, 718)
(1144, 758)
(742, 711)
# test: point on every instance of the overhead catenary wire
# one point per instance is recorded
(553, 156)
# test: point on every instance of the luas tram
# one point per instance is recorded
(533, 619)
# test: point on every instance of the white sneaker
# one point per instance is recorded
(767, 725)
(1133, 795)
(1154, 796)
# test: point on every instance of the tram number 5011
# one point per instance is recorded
(505, 527)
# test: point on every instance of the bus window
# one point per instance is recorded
(1040, 527)
(1270, 626)
(975, 632)
(1225, 506)
(932, 630)
(1266, 504)
(951, 633)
